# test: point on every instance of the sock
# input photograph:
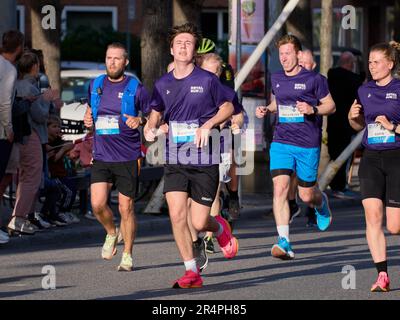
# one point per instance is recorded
(283, 232)
(191, 265)
(197, 242)
(233, 195)
(220, 230)
(381, 266)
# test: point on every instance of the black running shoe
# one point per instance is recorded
(209, 245)
(200, 254)
(295, 210)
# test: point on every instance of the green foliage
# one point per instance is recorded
(88, 44)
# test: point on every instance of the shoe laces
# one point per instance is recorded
(126, 259)
(382, 279)
(109, 243)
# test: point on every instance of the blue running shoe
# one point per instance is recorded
(324, 215)
(282, 250)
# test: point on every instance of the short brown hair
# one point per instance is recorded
(289, 38)
(185, 28)
(118, 45)
(12, 39)
(53, 118)
(26, 62)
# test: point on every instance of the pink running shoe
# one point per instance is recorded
(227, 242)
(189, 280)
(382, 284)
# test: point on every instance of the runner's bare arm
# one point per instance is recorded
(356, 117)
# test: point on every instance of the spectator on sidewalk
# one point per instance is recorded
(31, 156)
(12, 46)
(61, 169)
(343, 85)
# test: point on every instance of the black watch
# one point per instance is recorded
(315, 110)
(395, 125)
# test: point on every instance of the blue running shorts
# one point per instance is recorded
(286, 159)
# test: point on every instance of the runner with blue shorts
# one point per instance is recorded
(300, 99)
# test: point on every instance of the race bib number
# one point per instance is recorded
(183, 131)
(107, 125)
(378, 134)
(290, 114)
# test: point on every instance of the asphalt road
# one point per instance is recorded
(316, 273)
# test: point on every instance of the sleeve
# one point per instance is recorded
(157, 102)
(220, 93)
(7, 90)
(321, 87)
(142, 99)
(39, 111)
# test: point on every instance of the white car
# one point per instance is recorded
(74, 93)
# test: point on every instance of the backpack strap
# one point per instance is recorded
(95, 95)
(128, 99)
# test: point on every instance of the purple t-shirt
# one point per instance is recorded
(125, 145)
(380, 101)
(186, 105)
(292, 127)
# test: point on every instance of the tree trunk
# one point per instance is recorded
(187, 11)
(326, 62)
(155, 49)
(47, 39)
(300, 24)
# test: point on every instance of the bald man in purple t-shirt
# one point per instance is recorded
(192, 102)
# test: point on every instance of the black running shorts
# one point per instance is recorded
(123, 174)
(379, 175)
(201, 183)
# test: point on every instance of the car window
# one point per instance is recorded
(74, 88)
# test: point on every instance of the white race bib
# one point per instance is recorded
(290, 114)
(183, 131)
(107, 125)
(378, 134)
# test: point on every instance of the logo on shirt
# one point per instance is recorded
(168, 92)
(369, 95)
(299, 86)
(120, 94)
(391, 96)
(277, 85)
(196, 89)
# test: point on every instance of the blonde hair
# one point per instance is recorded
(391, 51)
(213, 57)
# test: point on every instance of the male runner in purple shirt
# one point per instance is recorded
(116, 150)
(192, 102)
(301, 98)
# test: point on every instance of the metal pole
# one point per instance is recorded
(334, 166)
(264, 43)
(238, 41)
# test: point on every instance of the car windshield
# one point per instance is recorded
(74, 88)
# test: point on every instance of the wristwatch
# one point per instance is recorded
(315, 110)
(395, 125)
